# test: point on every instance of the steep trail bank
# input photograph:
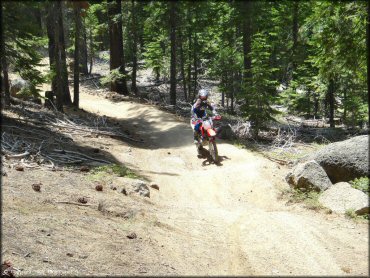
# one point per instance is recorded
(227, 220)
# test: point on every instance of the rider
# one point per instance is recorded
(198, 111)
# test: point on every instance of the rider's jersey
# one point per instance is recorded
(198, 110)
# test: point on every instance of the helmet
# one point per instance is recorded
(203, 94)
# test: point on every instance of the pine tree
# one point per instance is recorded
(117, 59)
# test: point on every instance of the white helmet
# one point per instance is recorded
(203, 94)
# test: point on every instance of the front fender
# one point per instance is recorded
(211, 132)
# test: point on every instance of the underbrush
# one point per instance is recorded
(310, 199)
(351, 214)
(361, 184)
(107, 172)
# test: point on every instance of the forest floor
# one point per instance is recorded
(205, 219)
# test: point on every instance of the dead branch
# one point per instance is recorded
(280, 161)
(17, 156)
(73, 203)
(83, 155)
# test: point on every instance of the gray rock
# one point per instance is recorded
(345, 160)
(341, 197)
(310, 176)
(135, 186)
(225, 132)
(17, 85)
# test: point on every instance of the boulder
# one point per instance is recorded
(135, 186)
(309, 176)
(225, 132)
(345, 160)
(341, 197)
(18, 85)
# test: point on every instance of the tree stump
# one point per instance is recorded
(50, 100)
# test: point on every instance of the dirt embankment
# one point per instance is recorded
(206, 219)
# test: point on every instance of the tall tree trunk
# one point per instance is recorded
(331, 102)
(4, 65)
(247, 40)
(345, 106)
(117, 60)
(368, 53)
(50, 27)
(91, 50)
(308, 95)
(134, 49)
(195, 77)
(37, 14)
(76, 70)
(222, 93)
(173, 53)
(189, 63)
(182, 66)
(83, 49)
(295, 38)
(232, 92)
(58, 56)
(66, 94)
(316, 104)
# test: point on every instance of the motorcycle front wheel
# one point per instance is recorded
(213, 151)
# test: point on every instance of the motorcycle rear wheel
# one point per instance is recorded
(213, 151)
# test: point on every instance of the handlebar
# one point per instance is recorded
(215, 118)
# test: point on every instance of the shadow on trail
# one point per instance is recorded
(209, 161)
(42, 139)
(150, 130)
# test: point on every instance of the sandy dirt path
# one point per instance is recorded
(227, 219)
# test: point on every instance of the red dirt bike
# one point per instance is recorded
(208, 133)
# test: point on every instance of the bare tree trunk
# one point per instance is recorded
(76, 69)
(368, 53)
(295, 37)
(66, 94)
(83, 49)
(232, 92)
(173, 53)
(182, 66)
(189, 64)
(117, 60)
(195, 77)
(331, 102)
(37, 14)
(55, 6)
(345, 106)
(91, 50)
(247, 35)
(4, 65)
(222, 93)
(134, 49)
(50, 27)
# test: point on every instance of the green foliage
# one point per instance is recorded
(96, 21)
(21, 42)
(309, 198)
(351, 213)
(361, 184)
(330, 45)
(260, 94)
(113, 76)
(102, 172)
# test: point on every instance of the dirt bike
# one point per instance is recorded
(208, 133)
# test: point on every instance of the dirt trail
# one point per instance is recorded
(227, 219)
